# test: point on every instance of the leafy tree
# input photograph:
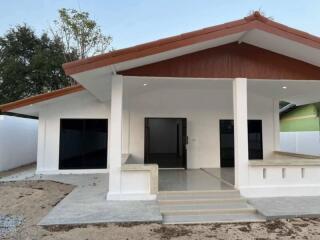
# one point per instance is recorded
(30, 65)
(80, 33)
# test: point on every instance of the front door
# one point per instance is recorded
(227, 141)
(165, 142)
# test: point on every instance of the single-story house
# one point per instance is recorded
(203, 99)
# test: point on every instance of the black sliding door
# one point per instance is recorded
(227, 141)
(83, 143)
(165, 142)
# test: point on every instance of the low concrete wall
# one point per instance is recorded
(18, 141)
(283, 175)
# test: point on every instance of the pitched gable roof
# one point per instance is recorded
(254, 21)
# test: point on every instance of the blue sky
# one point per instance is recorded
(132, 22)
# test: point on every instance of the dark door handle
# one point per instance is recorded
(178, 140)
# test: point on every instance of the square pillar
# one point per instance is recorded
(241, 154)
(276, 125)
(115, 146)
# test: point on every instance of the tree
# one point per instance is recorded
(30, 65)
(80, 33)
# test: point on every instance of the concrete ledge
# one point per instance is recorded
(298, 155)
(279, 158)
(285, 163)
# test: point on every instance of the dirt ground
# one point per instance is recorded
(33, 200)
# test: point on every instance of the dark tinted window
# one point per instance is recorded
(83, 143)
(227, 141)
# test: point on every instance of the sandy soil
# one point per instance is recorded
(34, 199)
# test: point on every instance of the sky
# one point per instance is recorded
(132, 22)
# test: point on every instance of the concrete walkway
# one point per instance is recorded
(87, 204)
(287, 207)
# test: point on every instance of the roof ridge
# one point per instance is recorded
(256, 15)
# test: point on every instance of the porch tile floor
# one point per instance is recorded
(225, 174)
(190, 180)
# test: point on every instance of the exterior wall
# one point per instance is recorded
(18, 141)
(78, 105)
(203, 109)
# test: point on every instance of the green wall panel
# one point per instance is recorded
(300, 125)
(303, 118)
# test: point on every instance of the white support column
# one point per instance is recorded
(276, 125)
(240, 132)
(115, 138)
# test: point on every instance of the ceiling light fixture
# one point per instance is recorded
(284, 87)
(145, 84)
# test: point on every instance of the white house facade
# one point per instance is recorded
(202, 100)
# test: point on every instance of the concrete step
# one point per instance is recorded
(213, 218)
(197, 211)
(185, 206)
(195, 195)
(201, 201)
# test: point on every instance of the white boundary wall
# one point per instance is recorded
(18, 141)
(300, 142)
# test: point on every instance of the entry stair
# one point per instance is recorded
(213, 206)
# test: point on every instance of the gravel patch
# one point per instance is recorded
(9, 223)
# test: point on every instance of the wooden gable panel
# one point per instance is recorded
(230, 61)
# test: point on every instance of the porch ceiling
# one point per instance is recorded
(297, 92)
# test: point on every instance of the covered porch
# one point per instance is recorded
(204, 104)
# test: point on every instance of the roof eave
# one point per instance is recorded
(40, 98)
